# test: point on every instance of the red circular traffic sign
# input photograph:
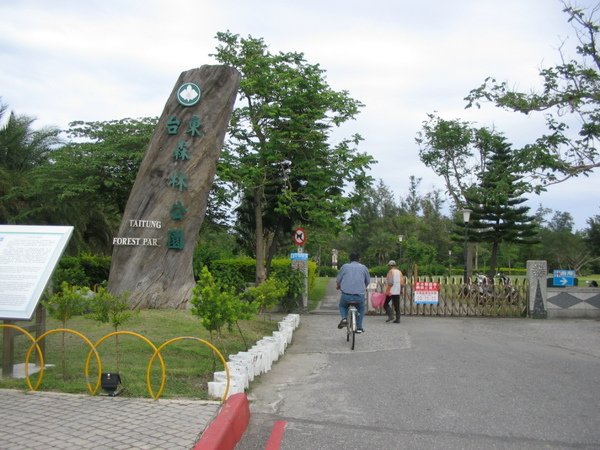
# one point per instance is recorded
(299, 236)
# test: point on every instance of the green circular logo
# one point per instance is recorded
(188, 94)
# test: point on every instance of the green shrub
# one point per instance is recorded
(379, 271)
(327, 271)
(294, 280)
(70, 271)
(70, 301)
(218, 305)
(108, 308)
(236, 273)
(113, 309)
(96, 268)
(267, 294)
(83, 270)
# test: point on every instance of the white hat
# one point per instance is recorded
(391, 262)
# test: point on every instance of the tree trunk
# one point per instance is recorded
(469, 259)
(272, 249)
(261, 274)
(492, 270)
(152, 254)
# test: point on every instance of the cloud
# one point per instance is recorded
(101, 60)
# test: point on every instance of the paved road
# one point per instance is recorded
(433, 383)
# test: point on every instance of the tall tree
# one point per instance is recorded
(448, 148)
(561, 221)
(87, 182)
(592, 240)
(22, 149)
(564, 250)
(436, 229)
(412, 202)
(570, 93)
(279, 156)
(373, 225)
(106, 156)
(497, 203)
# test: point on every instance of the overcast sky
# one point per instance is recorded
(89, 60)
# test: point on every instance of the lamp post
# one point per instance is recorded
(400, 239)
(334, 258)
(466, 216)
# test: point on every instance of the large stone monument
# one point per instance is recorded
(153, 251)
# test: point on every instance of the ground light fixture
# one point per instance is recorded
(110, 382)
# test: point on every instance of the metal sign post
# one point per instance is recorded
(300, 262)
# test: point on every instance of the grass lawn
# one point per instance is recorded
(318, 291)
(189, 364)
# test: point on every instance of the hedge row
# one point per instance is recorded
(91, 270)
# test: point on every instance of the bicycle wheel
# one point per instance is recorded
(353, 326)
(348, 325)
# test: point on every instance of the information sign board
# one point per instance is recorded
(299, 256)
(28, 256)
(426, 293)
(563, 277)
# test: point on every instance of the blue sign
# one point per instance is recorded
(299, 256)
(563, 278)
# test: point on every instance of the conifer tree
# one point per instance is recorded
(497, 201)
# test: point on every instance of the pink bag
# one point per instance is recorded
(377, 299)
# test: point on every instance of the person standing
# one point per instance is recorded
(392, 292)
(353, 279)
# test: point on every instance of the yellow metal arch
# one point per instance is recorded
(145, 339)
(202, 341)
(93, 349)
(91, 389)
(38, 350)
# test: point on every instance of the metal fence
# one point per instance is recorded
(483, 297)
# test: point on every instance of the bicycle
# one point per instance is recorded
(351, 322)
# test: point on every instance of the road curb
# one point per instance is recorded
(227, 429)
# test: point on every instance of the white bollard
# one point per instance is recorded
(271, 344)
(281, 341)
(216, 389)
(261, 366)
(235, 378)
(246, 359)
(288, 330)
(239, 367)
(245, 366)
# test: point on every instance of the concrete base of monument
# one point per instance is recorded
(19, 369)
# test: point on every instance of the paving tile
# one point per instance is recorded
(48, 420)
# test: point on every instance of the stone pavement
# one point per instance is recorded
(48, 420)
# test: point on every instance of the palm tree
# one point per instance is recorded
(21, 150)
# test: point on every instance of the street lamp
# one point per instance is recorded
(466, 216)
(400, 239)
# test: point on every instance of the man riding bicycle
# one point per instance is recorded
(353, 279)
